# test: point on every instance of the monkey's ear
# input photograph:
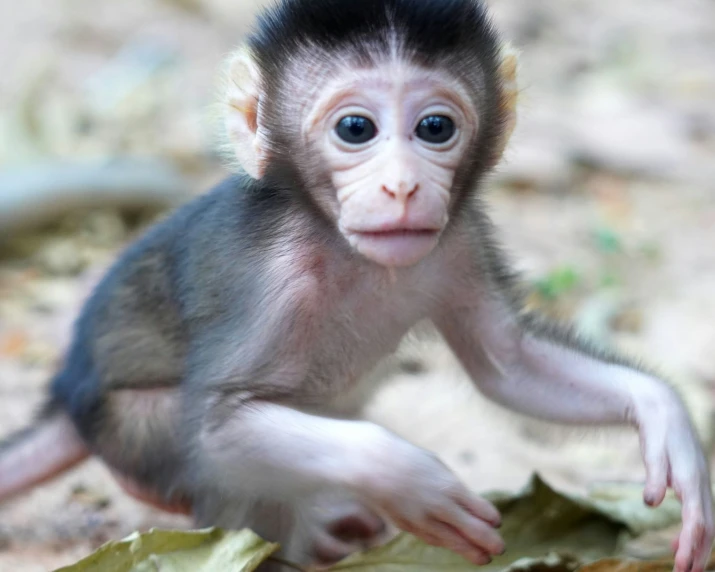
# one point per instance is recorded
(510, 91)
(243, 112)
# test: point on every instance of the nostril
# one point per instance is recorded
(405, 196)
(392, 194)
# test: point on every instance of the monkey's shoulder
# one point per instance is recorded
(220, 223)
(196, 261)
(134, 328)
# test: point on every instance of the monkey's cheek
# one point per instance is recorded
(395, 249)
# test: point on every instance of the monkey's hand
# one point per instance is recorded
(674, 458)
(420, 495)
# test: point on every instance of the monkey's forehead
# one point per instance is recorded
(401, 80)
(428, 30)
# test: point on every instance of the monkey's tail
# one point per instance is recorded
(37, 454)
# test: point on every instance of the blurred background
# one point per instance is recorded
(606, 200)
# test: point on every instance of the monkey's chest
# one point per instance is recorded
(343, 350)
(330, 329)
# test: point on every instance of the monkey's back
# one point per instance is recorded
(128, 354)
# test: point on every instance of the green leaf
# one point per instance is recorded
(545, 531)
(557, 283)
(405, 553)
(177, 551)
(540, 520)
(610, 279)
(624, 503)
(607, 241)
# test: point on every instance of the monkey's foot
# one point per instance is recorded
(345, 530)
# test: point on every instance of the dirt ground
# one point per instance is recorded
(606, 200)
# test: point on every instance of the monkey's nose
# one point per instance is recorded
(404, 191)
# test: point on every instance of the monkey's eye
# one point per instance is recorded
(355, 129)
(435, 129)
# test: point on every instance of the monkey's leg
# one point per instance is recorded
(268, 451)
(137, 434)
(550, 374)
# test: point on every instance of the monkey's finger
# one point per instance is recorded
(657, 468)
(684, 558)
(436, 533)
(702, 549)
(694, 542)
(702, 558)
(481, 508)
(475, 530)
(419, 532)
(452, 540)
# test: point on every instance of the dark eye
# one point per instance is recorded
(355, 129)
(435, 129)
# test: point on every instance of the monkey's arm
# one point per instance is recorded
(549, 374)
(266, 450)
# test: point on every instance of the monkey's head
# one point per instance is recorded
(384, 113)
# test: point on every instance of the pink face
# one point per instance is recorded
(392, 138)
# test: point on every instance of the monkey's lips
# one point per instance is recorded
(396, 247)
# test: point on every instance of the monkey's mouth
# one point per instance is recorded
(396, 247)
(400, 233)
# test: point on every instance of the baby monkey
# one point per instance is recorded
(221, 365)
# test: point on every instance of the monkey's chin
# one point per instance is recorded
(395, 248)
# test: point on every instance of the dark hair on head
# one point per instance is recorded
(430, 30)
(454, 35)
